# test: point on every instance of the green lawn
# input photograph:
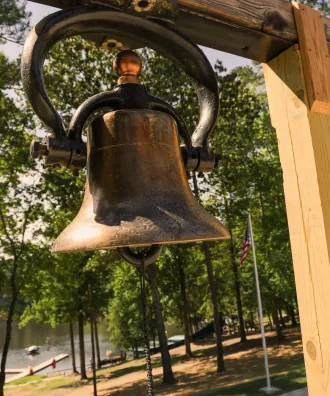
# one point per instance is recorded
(29, 378)
(285, 382)
(244, 374)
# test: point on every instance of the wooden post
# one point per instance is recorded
(304, 147)
(315, 57)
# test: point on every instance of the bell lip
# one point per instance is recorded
(226, 236)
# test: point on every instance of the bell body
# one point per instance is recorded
(137, 192)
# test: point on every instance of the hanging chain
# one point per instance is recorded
(145, 327)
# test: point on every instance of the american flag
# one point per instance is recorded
(246, 244)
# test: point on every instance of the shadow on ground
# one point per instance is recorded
(244, 374)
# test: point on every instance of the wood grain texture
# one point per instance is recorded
(272, 18)
(315, 57)
(304, 147)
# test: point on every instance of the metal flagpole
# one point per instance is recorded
(269, 388)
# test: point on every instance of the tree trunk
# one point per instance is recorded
(168, 376)
(97, 344)
(191, 329)
(196, 325)
(83, 374)
(73, 353)
(270, 321)
(281, 317)
(11, 312)
(216, 314)
(238, 292)
(154, 340)
(6, 344)
(185, 309)
(276, 321)
(293, 316)
(93, 347)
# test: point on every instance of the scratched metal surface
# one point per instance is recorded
(155, 203)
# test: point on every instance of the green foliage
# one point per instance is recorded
(14, 21)
(26, 380)
(250, 179)
(124, 314)
(322, 5)
(20, 206)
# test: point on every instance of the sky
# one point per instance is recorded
(40, 11)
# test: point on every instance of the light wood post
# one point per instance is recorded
(315, 57)
(304, 147)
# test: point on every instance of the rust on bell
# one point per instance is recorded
(128, 65)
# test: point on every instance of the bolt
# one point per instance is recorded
(37, 149)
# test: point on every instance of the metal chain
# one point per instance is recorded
(145, 327)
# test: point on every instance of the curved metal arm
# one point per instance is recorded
(105, 101)
(111, 100)
(168, 42)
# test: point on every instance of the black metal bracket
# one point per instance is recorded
(68, 149)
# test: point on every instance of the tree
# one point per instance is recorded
(184, 302)
(168, 376)
(237, 289)
(243, 135)
(73, 353)
(19, 201)
(14, 21)
(124, 318)
(213, 289)
(322, 5)
(59, 295)
(251, 178)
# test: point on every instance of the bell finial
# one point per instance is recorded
(128, 65)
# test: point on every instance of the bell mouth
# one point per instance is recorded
(99, 237)
(140, 225)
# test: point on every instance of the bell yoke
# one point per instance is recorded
(137, 192)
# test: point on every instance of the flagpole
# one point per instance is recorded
(269, 388)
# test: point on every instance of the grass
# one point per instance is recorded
(58, 384)
(285, 382)
(26, 380)
(127, 368)
(244, 375)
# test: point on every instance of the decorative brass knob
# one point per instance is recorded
(128, 65)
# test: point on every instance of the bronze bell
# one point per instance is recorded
(137, 191)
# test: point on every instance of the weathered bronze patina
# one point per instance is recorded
(66, 148)
(137, 191)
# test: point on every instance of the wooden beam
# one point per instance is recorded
(254, 29)
(304, 147)
(314, 56)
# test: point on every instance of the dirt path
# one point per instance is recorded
(244, 362)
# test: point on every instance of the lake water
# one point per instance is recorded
(55, 341)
